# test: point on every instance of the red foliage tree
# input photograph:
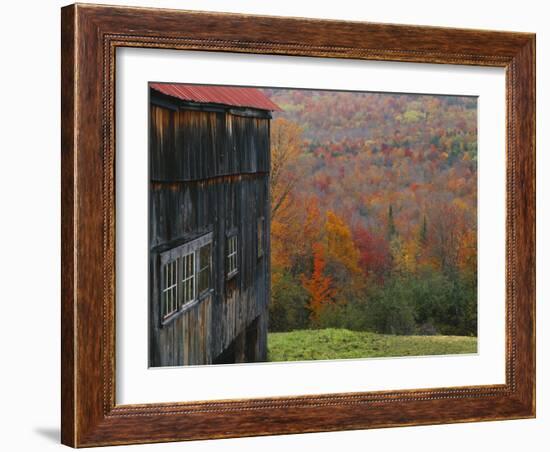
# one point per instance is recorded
(374, 251)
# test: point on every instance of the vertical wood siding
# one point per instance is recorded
(209, 172)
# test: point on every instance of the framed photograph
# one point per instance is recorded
(281, 225)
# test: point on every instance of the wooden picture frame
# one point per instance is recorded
(90, 36)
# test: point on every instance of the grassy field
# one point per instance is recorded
(342, 344)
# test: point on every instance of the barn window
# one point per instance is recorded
(205, 269)
(232, 255)
(261, 239)
(186, 273)
(170, 289)
(188, 278)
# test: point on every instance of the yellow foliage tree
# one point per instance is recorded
(340, 246)
(286, 145)
(294, 232)
(405, 254)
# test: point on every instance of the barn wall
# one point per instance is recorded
(194, 145)
(209, 172)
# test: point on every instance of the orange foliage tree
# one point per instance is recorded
(319, 286)
(297, 227)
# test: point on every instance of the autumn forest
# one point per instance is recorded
(373, 213)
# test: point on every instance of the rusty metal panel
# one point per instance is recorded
(224, 95)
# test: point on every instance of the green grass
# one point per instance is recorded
(334, 343)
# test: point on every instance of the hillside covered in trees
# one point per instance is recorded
(374, 212)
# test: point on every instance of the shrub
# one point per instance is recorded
(390, 310)
(288, 306)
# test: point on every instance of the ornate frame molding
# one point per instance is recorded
(90, 37)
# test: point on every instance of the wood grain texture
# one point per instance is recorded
(67, 226)
(90, 36)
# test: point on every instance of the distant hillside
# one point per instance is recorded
(363, 151)
(402, 119)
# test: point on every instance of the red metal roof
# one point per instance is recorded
(226, 95)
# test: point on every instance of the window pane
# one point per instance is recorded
(187, 291)
(188, 278)
(173, 287)
(204, 281)
(205, 256)
(205, 253)
(169, 298)
(169, 288)
(231, 254)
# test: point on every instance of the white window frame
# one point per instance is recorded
(188, 278)
(183, 292)
(169, 297)
(232, 255)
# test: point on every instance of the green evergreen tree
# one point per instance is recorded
(423, 238)
(392, 231)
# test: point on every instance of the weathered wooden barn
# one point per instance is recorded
(209, 217)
